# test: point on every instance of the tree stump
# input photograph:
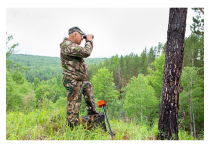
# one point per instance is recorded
(92, 121)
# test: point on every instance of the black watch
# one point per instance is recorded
(90, 42)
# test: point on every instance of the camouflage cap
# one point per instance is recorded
(76, 29)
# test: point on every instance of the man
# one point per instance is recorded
(75, 71)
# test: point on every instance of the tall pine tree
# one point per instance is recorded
(167, 125)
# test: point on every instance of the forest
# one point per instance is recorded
(131, 86)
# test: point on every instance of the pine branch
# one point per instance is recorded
(201, 10)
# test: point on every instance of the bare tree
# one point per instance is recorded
(167, 125)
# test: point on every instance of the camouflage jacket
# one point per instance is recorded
(72, 58)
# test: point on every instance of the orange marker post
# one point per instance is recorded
(102, 104)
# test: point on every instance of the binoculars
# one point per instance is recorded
(84, 36)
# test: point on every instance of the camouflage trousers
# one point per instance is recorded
(75, 90)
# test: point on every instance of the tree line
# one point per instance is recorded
(131, 85)
(41, 67)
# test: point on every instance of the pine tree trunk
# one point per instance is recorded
(167, 125)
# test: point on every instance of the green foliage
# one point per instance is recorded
(42, 67)
(36, 83)
(140, 100)
(16, 90)
(56, 93)
(116, 110)
(94, 60)
(40, 92)
(10, 65)
(10, 84)
(192, 51)
(59, 80)
(13, 97)
(29, 102)
(144, 62)
(183, 135)
(155, 76)
(198, 22)
(60, 102)
(10, 50)
(191, 86)
(35, 97)
(114, 59)
(16, 85)
(103, 86)
(18, 78)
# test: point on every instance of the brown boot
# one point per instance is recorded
(91, 112)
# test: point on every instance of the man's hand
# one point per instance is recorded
(89, 37)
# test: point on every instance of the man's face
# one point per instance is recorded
(78, 38)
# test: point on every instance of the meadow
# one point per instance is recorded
(46, 124)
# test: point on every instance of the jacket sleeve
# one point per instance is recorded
(78, 51)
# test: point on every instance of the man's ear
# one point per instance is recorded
(75, 34)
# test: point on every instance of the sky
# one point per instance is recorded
(39, 31)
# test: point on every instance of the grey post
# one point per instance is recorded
(107, 121)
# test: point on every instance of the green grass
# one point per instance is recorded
(46, 125)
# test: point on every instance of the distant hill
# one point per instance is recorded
(27, 60)
(44, 67)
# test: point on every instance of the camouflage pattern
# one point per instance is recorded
(75, 90)
(72, 58)
(76, 29)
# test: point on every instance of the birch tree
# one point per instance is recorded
(140, 100)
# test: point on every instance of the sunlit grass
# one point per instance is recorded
(43, 124)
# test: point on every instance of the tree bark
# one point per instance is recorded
(167, 125)
(194, 126)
